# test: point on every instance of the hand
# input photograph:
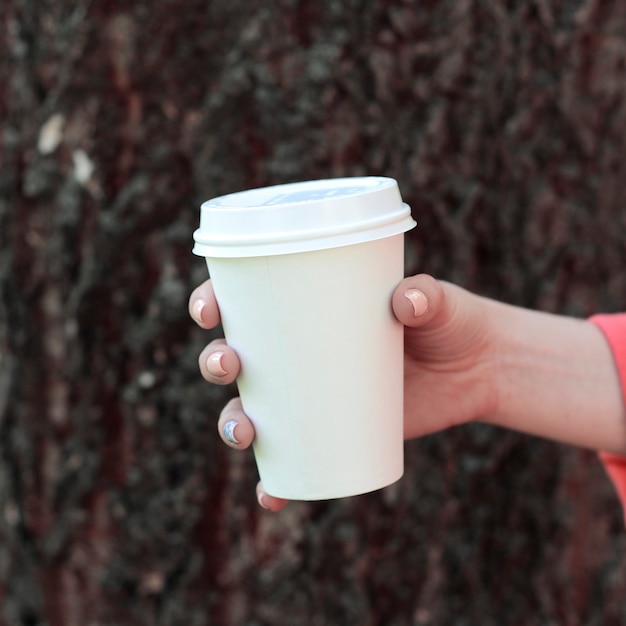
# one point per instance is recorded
(447, 379)
(448, 352)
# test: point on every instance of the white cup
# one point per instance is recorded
(303, 274)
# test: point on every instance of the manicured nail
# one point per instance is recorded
(214, 364)
(196, 310)
(262, 498)
(418, 301)
(229, 431)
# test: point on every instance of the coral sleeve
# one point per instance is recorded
(614, 329)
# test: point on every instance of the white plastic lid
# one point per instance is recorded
(300, 217)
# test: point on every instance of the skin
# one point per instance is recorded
(468, 358)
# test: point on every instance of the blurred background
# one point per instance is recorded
(504, 122)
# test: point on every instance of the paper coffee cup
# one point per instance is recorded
(303, 274)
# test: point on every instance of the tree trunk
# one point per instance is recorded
(505, 125)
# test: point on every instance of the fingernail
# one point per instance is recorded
(229, 431)
(261, 497)
(214, 364)
(197, 309)
(418, 301)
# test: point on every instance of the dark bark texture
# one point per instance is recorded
(504, 122)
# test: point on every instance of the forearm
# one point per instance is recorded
(555, 378)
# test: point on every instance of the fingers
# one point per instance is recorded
(218, 363)
(234, 427)
(418, 299)
(203, 307)
(269, 502)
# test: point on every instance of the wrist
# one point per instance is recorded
(489, 378)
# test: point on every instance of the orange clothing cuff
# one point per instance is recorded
(614, 329)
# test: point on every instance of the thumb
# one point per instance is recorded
(417, 300)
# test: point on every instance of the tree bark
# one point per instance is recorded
(504, 123)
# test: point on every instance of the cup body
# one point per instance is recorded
(321, 365)
(303, 275)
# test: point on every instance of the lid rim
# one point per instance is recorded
(309, 244)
